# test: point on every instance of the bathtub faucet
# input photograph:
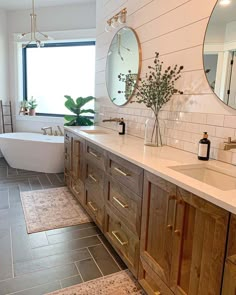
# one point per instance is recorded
(45, 130)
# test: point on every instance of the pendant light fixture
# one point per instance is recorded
(36, 37)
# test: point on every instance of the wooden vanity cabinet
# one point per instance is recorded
(74, 165)
(229, 282)
(123, 201)
(183, 241)
(94, 183)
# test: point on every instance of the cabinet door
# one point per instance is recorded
(77, 169)
(229, 283)
(157, 224)
(199, 246)
(67, 158)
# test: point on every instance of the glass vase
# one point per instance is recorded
(152, 132)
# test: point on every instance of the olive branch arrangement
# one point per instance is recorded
(158, 86)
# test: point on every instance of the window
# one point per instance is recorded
(56, 70)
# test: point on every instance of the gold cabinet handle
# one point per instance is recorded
(169, 227)
(120, 171)
(92, 177)
(93, 154)
(157, 293)
(120, 203)
(118, 238)
(92, 207)
(177, 232)
(75, 190)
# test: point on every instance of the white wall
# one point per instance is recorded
(3, 56)
(72, 22)
(176, 29)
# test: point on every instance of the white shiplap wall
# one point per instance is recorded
(176, 29)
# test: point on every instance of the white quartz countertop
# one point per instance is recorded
(158, 160)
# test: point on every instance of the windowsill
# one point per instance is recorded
(39, 118)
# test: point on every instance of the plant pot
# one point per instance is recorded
(32, 112)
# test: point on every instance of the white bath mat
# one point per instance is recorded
(51, 209)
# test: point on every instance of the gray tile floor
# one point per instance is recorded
(39, 263)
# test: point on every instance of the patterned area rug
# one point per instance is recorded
(120, 283)
(51, 209)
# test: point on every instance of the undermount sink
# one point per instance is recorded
(215, 176)
(94, 131)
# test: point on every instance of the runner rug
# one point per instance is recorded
(120, 283)
(51, 208)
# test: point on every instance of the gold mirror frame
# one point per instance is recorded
(112, 71)
(218, 57)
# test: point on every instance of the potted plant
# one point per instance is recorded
(154, 91)
(75, 106)
(23, 107)
(32, 104)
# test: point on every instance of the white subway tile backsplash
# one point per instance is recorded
(214, 119)
(199, 118)
(230, 121)
(223, 132)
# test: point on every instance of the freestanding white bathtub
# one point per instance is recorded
(33, 151)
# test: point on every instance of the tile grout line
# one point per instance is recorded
(32, 288)
(92, 226)
(8, 197)
(12, 262)
(79, 271)
(61, 253)
(110, 253)
(95, 262)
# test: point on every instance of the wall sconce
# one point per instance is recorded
(119, 18)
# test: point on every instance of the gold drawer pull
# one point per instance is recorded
(92, 207)
(92, 177)
(120, 171)
(169, 227)
(157, 293)
(120, 203)
(118, 239)
(77, 192)
(93, 154)
(177, 232)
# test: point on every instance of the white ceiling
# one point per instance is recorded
(27, 4)
(223, 14)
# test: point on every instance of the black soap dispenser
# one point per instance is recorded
(121, 127)
(204, 148)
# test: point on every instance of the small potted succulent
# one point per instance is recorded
(32, 104)
(23, 107)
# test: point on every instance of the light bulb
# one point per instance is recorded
(108, 26)
(122, 17)
(225, 2)
(114, 22)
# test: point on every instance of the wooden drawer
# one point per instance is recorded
(95, 155)
(95, 206)
(77, 188)
(151, 282)
(94, 177)
(126, 173)
(123, 240)
(126, 202)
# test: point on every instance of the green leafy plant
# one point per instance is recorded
(75, 106)
(32, 103)
(157, 87)
(24, 104)
(154, 90)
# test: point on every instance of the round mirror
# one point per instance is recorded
(123, 57)
(219, 52)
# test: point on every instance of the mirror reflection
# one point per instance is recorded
(220, 51)
(123, 56)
